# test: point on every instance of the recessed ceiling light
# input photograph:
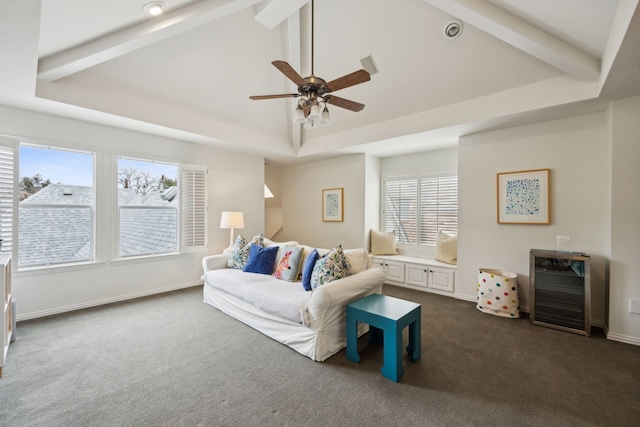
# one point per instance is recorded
(452, 30)
(153, 8)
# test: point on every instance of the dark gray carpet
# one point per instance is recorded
(171, 360)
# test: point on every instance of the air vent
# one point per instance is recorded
(66, 192)
(369, 65)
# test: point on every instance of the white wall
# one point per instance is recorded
(577, 152)
(625, 223)
(429, 161)
(372, 197)
(302, 187)
(273, 206)
(235, 183)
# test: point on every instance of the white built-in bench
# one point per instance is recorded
(418, 273)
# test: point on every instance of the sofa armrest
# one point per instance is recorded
(214, 262)
(330, 300)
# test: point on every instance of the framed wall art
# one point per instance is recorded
(523, 197)
(332, 205)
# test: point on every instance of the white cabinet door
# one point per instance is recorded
(441, 279)
(416, 274)
(395, 271)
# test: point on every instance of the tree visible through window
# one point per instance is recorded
(417, 207)
(56, 209)
(147, 207)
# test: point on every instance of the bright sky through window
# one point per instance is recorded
(59, 166)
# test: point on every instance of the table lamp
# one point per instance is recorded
(231, 220)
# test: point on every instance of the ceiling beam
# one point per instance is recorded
(271, 13)
(76, 59)
(524, 36)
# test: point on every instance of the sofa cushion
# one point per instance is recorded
(289, 265)
(307, 269)
(446, 248)
(330, 267)
(240, 252)
(260, 259)
(383, 243)
(274, 296)
(358, 260)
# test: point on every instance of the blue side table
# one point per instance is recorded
(386, 317)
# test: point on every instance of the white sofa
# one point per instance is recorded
(313, 323)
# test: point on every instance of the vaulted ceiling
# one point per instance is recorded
(189, 72)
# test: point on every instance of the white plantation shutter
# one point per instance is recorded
(438, 207)
(193, 208)
(418, 206)
(400, 212)
(7, 197)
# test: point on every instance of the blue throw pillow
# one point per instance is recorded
(261, 259)
(307, 269)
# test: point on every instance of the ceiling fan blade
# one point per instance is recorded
(352, 79)
(344, 103)
(288, 71)
(284, 95)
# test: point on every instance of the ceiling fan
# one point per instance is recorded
(315, 92)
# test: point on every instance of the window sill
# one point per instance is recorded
(48, 269)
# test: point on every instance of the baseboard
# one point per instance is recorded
(104, 301)
(466, 297)
(623, 338)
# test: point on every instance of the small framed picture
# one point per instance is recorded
(523, 197)
(332, 205)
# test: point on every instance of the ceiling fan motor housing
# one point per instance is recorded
(316, 85)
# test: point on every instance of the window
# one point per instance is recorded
(419, 206)
(56, 206)
(147, 207)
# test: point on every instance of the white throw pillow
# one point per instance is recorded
(357, 259)
(446, 248)
(383, 243)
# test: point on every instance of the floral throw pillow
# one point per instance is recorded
(240, 252)
(332, 266)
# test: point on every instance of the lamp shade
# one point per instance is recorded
(326, 118)
(234, 220)
(316, 112)
(298, 116)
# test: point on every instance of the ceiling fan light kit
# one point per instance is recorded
(314, 92)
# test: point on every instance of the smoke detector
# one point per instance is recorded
(452, 29)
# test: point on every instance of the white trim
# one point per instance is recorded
(623, 338)
(58, 268)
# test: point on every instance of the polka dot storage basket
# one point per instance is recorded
(498, 293)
